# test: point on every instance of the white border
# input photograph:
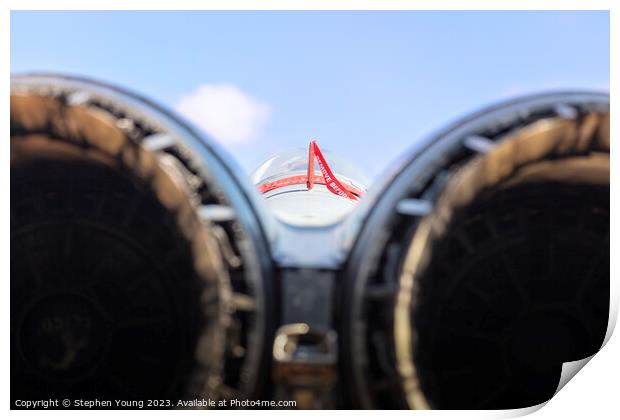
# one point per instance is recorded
(592, 394)
(311, 5)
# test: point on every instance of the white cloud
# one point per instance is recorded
(225, 112)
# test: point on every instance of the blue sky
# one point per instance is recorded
(366, 85)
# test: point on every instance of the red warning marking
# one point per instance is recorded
(327, 178)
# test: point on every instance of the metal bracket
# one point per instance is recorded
(305, 351)
(305, 365)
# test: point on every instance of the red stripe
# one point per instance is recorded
(300, 180)
(332, 182)
(310, 177)
(328, 178)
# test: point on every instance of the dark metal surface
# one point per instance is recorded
(106, 283)
(367, 361)
(213, 180)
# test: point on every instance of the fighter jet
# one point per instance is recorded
(146, 266)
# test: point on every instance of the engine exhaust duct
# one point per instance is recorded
(139, 267)
(494, 266)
